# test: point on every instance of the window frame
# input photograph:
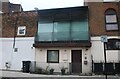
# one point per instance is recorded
(115, 13)
(53, 61)
(19, 28)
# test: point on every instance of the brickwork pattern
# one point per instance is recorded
(97, 18)
(11, 22)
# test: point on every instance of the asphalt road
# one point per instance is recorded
(59, 78)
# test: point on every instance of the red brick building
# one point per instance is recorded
(97, 18)
(104, 19)
(10, 7)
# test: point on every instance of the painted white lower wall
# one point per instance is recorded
(64, 58)
(0, 54)
(25, 52)
(97, 51)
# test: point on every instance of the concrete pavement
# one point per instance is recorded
(21, 75)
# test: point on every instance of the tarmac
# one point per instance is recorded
(20, 75)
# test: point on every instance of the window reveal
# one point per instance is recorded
(53, 56)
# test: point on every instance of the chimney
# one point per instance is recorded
(4, 0)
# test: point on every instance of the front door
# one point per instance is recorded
(76, 61)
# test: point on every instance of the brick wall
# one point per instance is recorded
(10, 23)
(9, 7)
(97, 18)
(5, 7)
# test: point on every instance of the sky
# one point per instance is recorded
(46, 4)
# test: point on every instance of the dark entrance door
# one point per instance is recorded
(76, 61)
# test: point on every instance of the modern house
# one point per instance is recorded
(63, 37)
(71, 37)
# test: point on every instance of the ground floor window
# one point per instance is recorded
(113, 44)
(52, 56)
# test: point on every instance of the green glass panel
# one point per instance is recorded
(61, 31)
(45, 27)
(45, 31)
(79, 26)
(61, 26)
(79, 30)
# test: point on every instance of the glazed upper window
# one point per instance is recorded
(111, 20)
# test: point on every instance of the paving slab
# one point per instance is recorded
(21, 75)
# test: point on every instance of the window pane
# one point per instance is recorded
(79, 30)
(53, 56)
(45, 31)
(21, 30)
(111, 19)
(45, 27)
(61, 26)
(61, 31)
(117, 44)
(111, 26)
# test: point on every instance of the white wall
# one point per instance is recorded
(0, 55)
(119, 55)
(86, 68)
(25, 52)
(97, 51)
(64, 58)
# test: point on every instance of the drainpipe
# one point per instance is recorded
(119, 25)
(15, 32)
(119, 16)
(36, 36)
